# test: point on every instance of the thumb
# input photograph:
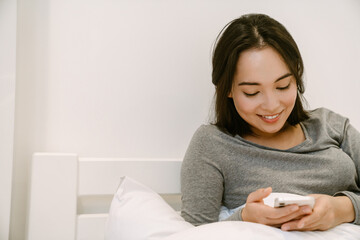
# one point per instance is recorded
(259, 195)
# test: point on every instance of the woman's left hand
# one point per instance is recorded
(328, 212)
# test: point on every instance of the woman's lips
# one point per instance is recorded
(270, 118)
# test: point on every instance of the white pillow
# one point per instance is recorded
(139, 213)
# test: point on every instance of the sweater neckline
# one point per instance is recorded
(292, 149)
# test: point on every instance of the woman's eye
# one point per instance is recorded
(250, 94)
(283, 88)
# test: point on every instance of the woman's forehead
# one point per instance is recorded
(261, 64)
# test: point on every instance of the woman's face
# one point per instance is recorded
(264, 90)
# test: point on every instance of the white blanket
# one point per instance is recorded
(139, 213)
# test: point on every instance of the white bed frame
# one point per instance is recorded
(70, 196)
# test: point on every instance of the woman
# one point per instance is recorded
(263, 140)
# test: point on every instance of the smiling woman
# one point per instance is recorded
(266, 47)
(262, 137)
(264, 94)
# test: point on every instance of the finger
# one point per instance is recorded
(277, 213)
(259, 195)
(312, 227)
(293, 212)
(305, 223)
(293, 226)
(273, 216)
(303, 211)
(312, 219)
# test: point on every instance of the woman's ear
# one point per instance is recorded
(230, 94)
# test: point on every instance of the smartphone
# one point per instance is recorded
(299, 200)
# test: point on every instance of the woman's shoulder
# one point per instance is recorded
(209, 136)
(326, 121)
(325, 115)
(207, 131)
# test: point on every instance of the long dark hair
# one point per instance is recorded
(251, 31)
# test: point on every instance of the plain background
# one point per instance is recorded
(7, 107)
(107, 78)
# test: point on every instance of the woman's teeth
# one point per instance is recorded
(271, 117)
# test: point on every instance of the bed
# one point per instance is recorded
(70, 196)
(74, 198)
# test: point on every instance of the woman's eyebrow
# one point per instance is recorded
(283, 76)
(256, 83)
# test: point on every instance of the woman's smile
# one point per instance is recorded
(270, 118)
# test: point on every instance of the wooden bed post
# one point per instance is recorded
(52, 209)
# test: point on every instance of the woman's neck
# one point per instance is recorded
(288, 137)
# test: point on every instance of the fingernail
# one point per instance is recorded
(285, 228)
(306, 210)
(294, 208)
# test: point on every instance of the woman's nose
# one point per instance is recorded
(270, 103)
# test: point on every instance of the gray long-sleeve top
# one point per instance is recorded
(219, 169)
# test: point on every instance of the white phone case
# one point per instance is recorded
(300, 201)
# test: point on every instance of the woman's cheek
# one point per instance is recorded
(291, 98)
(246, 104)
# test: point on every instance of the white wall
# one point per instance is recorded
(133, 78)
(7, 106)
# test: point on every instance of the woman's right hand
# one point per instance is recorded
(256, 211)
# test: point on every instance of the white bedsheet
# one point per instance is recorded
(252, 231)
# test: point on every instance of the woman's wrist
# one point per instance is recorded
(345, 209)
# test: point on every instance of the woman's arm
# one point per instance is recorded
(344, 206)
(202, 190)
(202, 183)
(351, 146)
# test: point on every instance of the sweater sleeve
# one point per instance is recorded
(201, 181)
(351, 146)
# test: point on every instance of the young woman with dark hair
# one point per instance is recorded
(263, 140)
